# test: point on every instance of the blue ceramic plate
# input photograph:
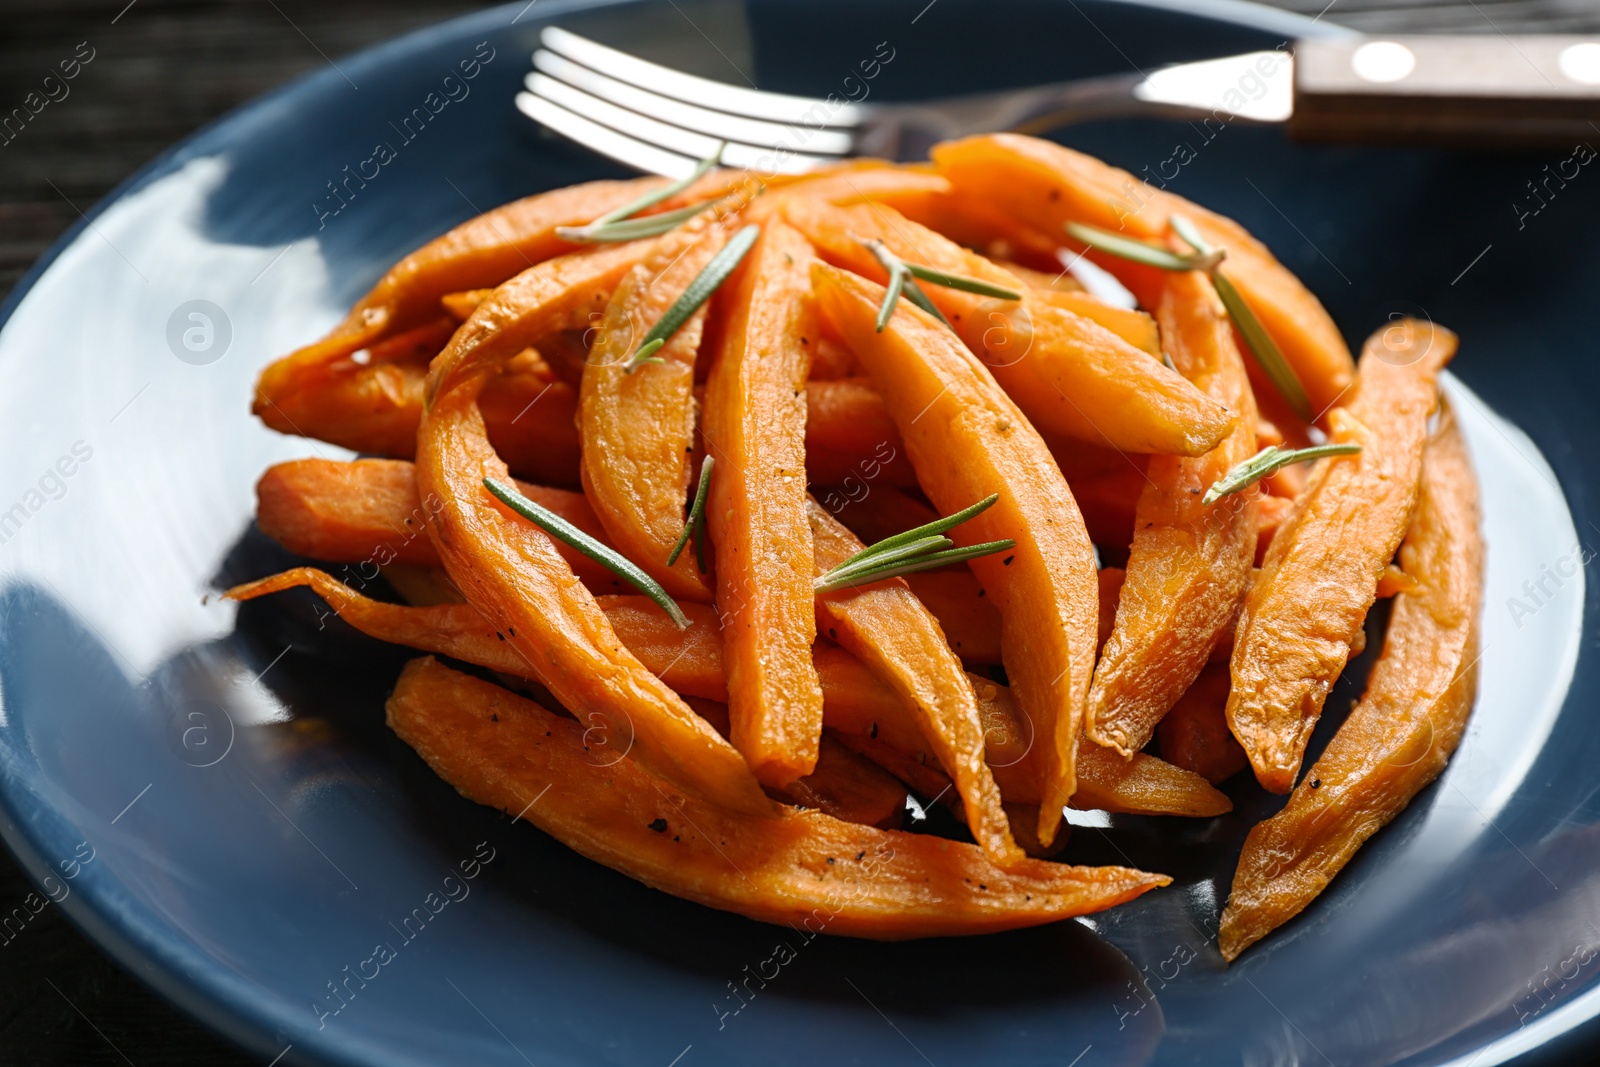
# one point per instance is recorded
(210, 792)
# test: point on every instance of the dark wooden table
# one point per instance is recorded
(161, 68)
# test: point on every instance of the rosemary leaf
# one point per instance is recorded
(705, 283)
(1142, 251)
(1263, 347)
(696, 518)
(937, 526)
(902, 279)
(632, 229)
(913, 550)
(1256, 338)
(958, 281)
(920, 547)
(915, 294)
(574, 538)
(830, 582)
(1265, 462)
(666, 192)
(891, 295)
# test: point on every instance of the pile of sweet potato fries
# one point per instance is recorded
(731, 397)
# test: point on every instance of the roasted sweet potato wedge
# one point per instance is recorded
(1194, 735)
(483, 251)
(1189, 562)
(1320, 577)
(754, 425)
(637, 423)
(367, 512)
(966, 440)
(800, 868)
(889, 629)
(1398, 738)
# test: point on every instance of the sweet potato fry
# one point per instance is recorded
(1067, 373)
(637, 425)
(857, 182)
(1271, 513)
(1398, 738)
(844, 785)
(1046, 185)
(1321, 573)
(971, 624)
(888, 629)
(966, 440)
(850, 439)
(1134, 327)
(850, 788)
(483, 251)
(754, 424)
(856, 701)
(368, 512)
(510, 570)
(1189, 562)
(787, 867)
(1194, 734)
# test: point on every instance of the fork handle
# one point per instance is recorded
(1476, 90)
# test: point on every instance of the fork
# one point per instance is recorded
(1478, 90)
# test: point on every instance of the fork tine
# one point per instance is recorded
(592, 135)
(717, 124)
(718, 96)
(664, 136)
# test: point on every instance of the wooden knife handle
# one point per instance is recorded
(1489, 90)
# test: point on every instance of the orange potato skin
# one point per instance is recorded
(966, 440)
(1194, 734)
(1069, 374)
(889, 629)
(1320, 577)
(754, 423)
(1046, 185)
(637, 428)
(1403, 731)
(1189, 562)
(799, 868)
(510, 570)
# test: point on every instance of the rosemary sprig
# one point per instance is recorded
(919, 549)
(1270, 459)
(705, 283)
(903, 279)
(606, 228)
(1143, 251)
(570, 535)
(829, 582)
(696, 523)
(632, 229)
(1256, 337)
(1260, 343)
